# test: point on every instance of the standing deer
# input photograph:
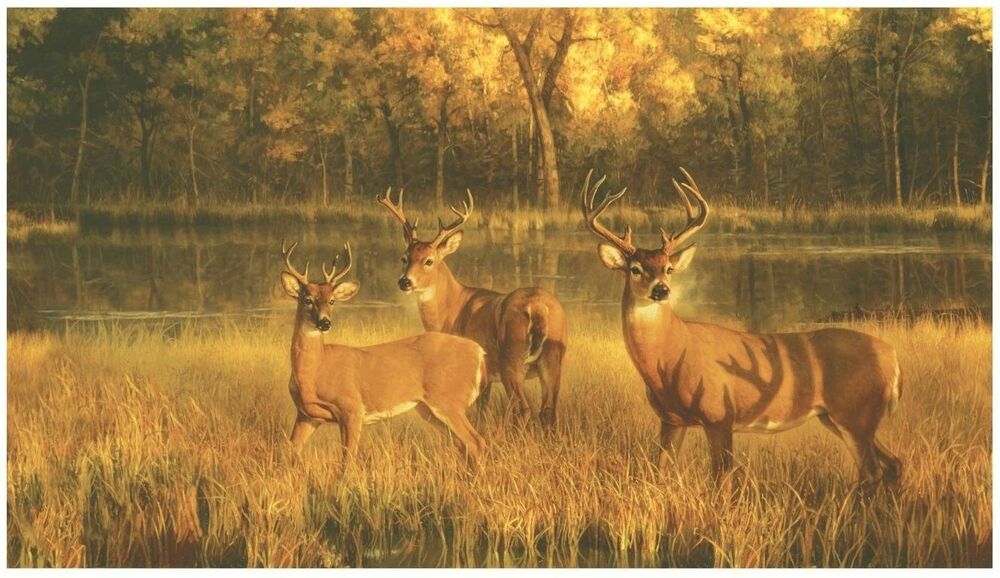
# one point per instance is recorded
(699, 374)
(523, 332)
(440, 375)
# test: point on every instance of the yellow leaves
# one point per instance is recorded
(817, 28)
(723, 29)
(286, 150)
(979, 21)
(283, 115)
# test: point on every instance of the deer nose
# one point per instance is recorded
(323, 324)
(405, 284)
(660, 292)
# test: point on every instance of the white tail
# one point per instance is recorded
(523, 332)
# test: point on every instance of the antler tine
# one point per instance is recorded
(463, 216)
(333, 277)
(329, 276)
(409, 229)
(287, 254)
(684, 199)
(695, 223)
(590, 214)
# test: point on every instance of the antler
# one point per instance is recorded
(409, 229)
(590, 214)
(463, 216)
(287, 254)
(695, 222)
(333, 277)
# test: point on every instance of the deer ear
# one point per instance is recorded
(612, 257)
(681, 259)
(291, 285)
(346, 290)
(451, 244)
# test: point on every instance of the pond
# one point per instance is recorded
(765, 281)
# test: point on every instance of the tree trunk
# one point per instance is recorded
(322, 163)
(745, 116)
(513, 157)
(530, 173)
(74, 191)
(549, 166)
(735, 132)
(348, 166)
(984, 175)
(856, 131)
(195, 195)
(395, 154)
(896, 164)
(442, 146)
(956, 185)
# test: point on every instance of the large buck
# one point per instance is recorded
(523, 332)
(437, 374)
(704, 375)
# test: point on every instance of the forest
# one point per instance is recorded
(208, 107)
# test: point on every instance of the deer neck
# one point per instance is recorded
(654, 334)
(441, 303)
(307, 352)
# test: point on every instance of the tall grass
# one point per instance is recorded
(129, 448)
(22, 228)
(727, 218)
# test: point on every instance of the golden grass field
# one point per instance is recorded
(136, 447)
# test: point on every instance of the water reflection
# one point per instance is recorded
(768, 281)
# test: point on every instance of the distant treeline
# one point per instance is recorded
(764, 106)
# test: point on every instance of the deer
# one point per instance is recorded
(523, 331)
(437, 374)
(725, 381)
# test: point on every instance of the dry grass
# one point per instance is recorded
(727, 217)
(21, 228)
(129, 448)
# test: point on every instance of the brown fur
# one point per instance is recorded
(704, 375)
(523, 332)
(438, 374)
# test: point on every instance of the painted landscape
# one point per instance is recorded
(834, 163)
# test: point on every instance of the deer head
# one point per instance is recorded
(422, 260)
(647, 271)
(316, 300)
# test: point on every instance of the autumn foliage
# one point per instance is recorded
(767, 106)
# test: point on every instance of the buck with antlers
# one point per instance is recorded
(523, 332)
(704, 375)
(437, 374)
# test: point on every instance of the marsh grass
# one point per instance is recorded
(22, 228)
(130, 448)
(727, 218)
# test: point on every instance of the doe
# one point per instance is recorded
(437, 374)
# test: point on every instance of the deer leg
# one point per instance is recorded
(862, 447)
(483, 401)
(350, 433)
(720, 443)
(892, 467)
(512, 372)
(671, 438)
(550, 374)
(301, 431)
(458, 423)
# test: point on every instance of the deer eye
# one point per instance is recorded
(636, 270)
(428, 262)
(332, 301)
(670, 270)
(308, 301)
